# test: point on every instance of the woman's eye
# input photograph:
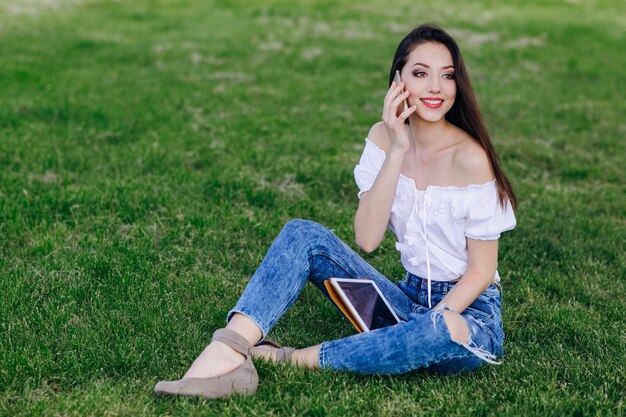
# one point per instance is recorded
(419, 74)
(448, 76)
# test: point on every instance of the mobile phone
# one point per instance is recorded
(398, 80)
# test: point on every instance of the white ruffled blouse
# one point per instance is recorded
(431, 226)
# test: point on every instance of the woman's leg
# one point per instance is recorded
(302, 251)
(305, 250)
(424, 341)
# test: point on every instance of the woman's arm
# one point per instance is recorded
(482, 263)
(473, 164)
(372, 215)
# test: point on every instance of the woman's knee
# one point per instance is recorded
(309, 230)
(457, 326)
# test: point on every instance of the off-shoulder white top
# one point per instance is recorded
(431, 226)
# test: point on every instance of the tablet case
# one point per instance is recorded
(332, 291)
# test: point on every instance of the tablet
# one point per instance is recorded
(362, 302)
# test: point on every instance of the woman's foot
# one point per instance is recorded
(222, 369)
(216, 359)
(307, 357)
(273, 353)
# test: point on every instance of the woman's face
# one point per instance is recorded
(429, 78)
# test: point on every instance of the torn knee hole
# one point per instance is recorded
(457, 326)
(460, 333)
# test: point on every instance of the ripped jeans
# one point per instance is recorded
(306, 251)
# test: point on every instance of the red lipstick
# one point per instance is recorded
(432, 102)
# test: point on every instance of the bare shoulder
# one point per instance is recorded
(471, 162)
(378, 134)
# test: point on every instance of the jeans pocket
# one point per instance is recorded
(406, 280)
(408, 288)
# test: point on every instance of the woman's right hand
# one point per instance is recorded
(394, 118)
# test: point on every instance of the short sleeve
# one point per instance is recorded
(486, 218)
(366, 171)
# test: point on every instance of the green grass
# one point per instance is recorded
(151, 151)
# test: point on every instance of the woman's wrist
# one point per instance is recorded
(464, 292)
(396, 153)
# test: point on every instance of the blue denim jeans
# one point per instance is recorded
(306, 251)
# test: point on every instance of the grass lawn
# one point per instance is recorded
(150, 151)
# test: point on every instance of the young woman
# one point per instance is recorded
(431, 174)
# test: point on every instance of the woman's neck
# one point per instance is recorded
(429, 136)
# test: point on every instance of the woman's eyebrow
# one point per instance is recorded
(428, 66)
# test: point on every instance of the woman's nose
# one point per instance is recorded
(434, 86)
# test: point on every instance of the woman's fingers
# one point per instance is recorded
(394, 114)
(395, 106)
(397, 102)
(393, 91)
(405, 114)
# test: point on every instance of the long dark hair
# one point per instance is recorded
(465, 112)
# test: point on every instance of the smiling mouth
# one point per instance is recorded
(432, 103)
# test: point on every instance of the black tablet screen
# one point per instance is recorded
(368, 303)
